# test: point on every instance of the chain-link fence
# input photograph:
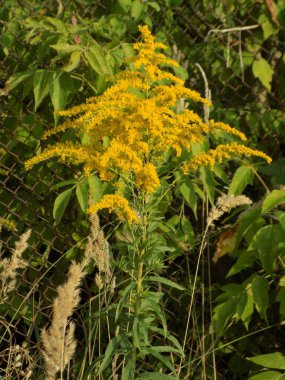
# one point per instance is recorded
(223, 45)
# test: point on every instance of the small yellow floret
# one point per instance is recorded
(116, 203)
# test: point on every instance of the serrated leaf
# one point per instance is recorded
(275, 360)
(60, 204)
(275, 198)
(260, 288)
(267, 375)
(242, 177)
(166, 281)
(82, 194)
(263, 71)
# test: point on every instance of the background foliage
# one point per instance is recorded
(56, 54)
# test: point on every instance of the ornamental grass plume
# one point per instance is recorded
(134, 123)
(58, 340)
(225, 204)
(9, 267)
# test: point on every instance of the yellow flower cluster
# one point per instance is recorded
(223, 151)
(117, 203)
(134, 122)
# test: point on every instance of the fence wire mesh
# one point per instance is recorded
(223, 44)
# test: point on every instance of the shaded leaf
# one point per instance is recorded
(242, 177)
(111, 350)
(275, 360)
(82, 194)
(275, 198)
(260, 288)
(41, 82)
(267, 375)
(60, 204)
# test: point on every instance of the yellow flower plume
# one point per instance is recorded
(134, 122)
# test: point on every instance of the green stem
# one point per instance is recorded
(140, 275)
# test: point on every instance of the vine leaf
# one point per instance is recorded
(263, 71)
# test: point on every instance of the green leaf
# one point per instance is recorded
(281, 217)
(282, 281)
(187, 190)
(281, 298)
(125, 4)
(208, 182)
(95, 187)
(267, 26)
(165, 281)
(242, 177)
(263, 71)
(60, 204)
(136, 332)
(188, 232)
(82, 194)
(97, 60)
(275, 360)
(260, 288)
(111, 350)
(128, 372)
(74, 61)
(246, 220)
(42, 82)
(222, 314)
(14, 81)
(66, 48)
(245, 260)
(154, 5)
(137, 9)
(163, 359)
(123, 299)
(275, 198)
(268, 242)
(267, 375)
(155, 376)
(63, 183)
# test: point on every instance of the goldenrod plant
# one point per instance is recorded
(126, 136)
